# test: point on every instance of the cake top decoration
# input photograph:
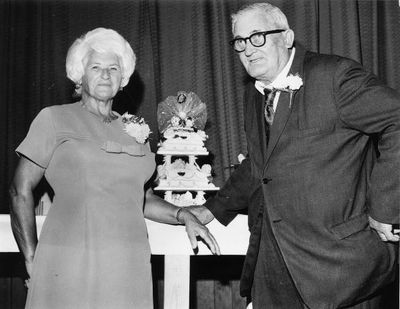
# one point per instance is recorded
(183, 111)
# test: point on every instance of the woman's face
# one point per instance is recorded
(102, 75)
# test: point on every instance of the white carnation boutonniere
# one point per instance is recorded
(291, 84)
(136, 127)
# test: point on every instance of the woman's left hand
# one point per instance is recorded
(195, 229)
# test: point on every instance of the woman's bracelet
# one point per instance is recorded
(177, 215)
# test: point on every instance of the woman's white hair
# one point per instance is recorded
(100, 40)
(273, 13)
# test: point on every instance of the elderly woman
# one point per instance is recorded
(93, 250)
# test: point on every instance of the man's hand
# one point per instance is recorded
(202, 213)
(384, 230)
(195, 229)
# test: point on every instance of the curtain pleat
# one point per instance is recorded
(388, 36)
(180, 45)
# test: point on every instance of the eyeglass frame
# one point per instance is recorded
(263, 33)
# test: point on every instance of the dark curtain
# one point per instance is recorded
(180, 45)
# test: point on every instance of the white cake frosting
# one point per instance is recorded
(185, 199)
(184, 175)
(183, 141)
(181, 122)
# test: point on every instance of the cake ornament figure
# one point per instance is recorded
(185, 110)
(181, 121)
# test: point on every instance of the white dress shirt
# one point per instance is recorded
(260, 86)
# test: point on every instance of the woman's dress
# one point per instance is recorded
(93, 250)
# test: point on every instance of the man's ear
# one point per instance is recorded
(289, 38)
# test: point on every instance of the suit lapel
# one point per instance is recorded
(285, 107)
(258, 101)
(281, 117)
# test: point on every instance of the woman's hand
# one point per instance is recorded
(195, 229)
(159, 210)
(22, 209)
(28, 266)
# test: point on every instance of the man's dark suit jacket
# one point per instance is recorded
(319, 178)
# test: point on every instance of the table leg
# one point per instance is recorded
(176, 281)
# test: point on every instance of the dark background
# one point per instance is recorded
(180, 45)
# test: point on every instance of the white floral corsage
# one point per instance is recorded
(136, 127)
(290, 84)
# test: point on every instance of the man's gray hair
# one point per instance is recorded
(100, 40)
(273, 14)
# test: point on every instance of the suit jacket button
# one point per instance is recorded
(266, 180)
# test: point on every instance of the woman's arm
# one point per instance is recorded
(159, 210)
(22, 208)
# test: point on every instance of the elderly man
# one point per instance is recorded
(321, 182)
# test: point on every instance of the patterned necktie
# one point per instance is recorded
(269, 105)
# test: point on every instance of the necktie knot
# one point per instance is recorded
(267, 91)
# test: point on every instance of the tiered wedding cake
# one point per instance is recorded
(181, 121)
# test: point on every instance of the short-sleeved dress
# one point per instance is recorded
(93, 251)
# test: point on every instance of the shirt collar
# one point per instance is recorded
(260, 86)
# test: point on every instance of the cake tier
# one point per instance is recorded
(183, 141)
(167, 187)
(180, 152)
(182, 174)
(185, 199)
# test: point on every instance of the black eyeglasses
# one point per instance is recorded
(256, 39)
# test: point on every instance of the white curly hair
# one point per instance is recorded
(100, 40)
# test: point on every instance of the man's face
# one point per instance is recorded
(262, 63)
